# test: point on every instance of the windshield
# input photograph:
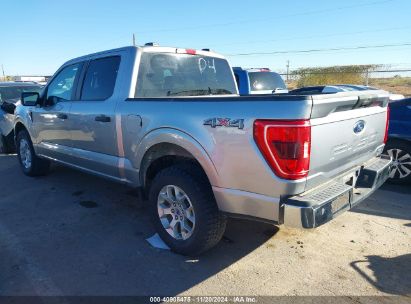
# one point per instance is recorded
(13, 93)
(162, 75)
(261, 81)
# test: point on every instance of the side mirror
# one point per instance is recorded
(29, 98)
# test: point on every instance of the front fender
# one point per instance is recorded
(22, 117)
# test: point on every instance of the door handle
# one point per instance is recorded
(102, 118)
(62, 116)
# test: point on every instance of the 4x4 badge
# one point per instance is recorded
(224, 122)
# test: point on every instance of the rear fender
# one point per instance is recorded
(180, 139)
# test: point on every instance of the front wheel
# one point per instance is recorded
(184, 211)
(30, 163)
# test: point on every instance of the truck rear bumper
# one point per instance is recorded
(318, 206)
(243, 204)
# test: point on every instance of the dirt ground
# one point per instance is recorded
(70, 233)
(399, 85)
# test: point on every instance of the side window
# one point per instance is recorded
(100, 78)
(63, 84)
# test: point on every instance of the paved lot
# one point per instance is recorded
(74, 234)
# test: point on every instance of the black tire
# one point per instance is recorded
(7, 144)
(401, 170)
(3, 145)
(37, 166)
(210, 223)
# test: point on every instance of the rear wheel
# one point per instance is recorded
(30, 163)
(184, 211)
(400, 153)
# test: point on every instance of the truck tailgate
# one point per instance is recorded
(346, 132)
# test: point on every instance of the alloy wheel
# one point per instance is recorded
(25, 153)
(401, 167)
(176, 212)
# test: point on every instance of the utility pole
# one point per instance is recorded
(366, 78)
(134, 40)
(4, 76)
(288, 69)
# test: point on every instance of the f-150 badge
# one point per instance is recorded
(224, 122)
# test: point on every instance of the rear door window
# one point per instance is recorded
(100, 78)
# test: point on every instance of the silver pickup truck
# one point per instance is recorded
(169, 122)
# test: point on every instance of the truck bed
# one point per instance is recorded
(335, 148)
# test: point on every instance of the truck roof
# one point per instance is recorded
(150, 49)
(252, 69)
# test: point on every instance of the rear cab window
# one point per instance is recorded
(100, 78)
(265, 81)
(12, 94)
(174, 74)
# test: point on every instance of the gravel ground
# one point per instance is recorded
(70, 233)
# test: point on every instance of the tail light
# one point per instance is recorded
(387, 124)
(286, 146)
(191, 51)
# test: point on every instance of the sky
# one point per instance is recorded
(38, 36)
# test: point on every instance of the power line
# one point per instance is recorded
(345, 72)
(322, 50)
(243, 21)
(389, 51)
(315, 36)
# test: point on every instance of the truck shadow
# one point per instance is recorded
(381, 204)
(88, 237)
(386, 273)
(403, 189)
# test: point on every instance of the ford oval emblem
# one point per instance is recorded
(359, 126)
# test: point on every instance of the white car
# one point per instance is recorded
(10, 93)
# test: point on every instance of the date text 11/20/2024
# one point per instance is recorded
(204, 299)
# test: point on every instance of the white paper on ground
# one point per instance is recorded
(157, 242)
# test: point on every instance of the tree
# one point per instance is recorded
(348, 74)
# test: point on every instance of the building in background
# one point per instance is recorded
(39, 79)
